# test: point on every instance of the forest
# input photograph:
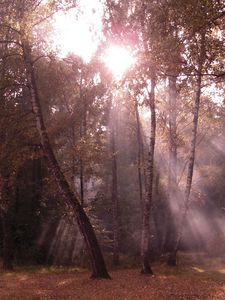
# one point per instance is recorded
(113, 173)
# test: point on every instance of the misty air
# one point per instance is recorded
(112, 149)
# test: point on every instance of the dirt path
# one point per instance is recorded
(126, 284)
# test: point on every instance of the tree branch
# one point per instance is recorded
(10, 42)
(11, 28)
(44, 19)
(40, 57)
(195, 74)
(50, 15)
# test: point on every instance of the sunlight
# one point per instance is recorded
(78, 31)
(200, 270)
(118, 59)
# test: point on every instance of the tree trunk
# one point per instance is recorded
(139, 155)
(81, 182)
(172, 258)
(172, 167)
(146, 268)
(83, 133)
(7, 262)
(5, 201)
(172, 176)
(6, 220)
(37, 175)
(97, 262)
(115, 200)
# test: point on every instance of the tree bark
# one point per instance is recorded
(83, 134)
(146, 268)
(81, 182)
(5, 200)
(172, 176)
(6, 221)
(172, 167)
(173, 256)
(81, 165)
(97, 261)
(115, 199)
(139, 155)
(37, 175)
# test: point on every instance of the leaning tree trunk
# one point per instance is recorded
(172, 260)
(5, 200)
(146, 268)
(97, 261)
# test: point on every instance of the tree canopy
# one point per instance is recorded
(138, 159)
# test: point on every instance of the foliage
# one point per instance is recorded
(78, 100)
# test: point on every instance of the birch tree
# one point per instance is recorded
(21, 13)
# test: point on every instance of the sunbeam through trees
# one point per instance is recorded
(112, 134)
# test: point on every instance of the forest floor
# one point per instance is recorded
(187, 281)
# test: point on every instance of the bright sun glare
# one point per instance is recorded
(118, 59)
(80, 34)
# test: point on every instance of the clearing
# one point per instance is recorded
(196, 282)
